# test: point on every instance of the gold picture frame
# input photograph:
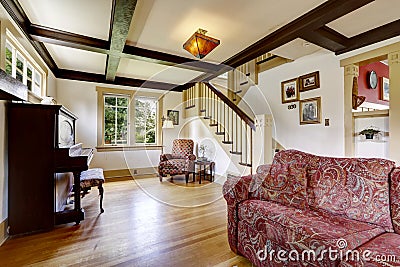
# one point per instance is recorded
(310, 111)
(290, 91)
(309, 81)
(385, 89)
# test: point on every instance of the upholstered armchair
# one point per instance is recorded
(180, 161)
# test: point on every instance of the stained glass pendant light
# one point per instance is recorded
(199, 45)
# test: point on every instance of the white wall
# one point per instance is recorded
(81, 99)
(314, 138)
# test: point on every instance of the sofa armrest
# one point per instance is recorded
(165, 157)
(263, 169)
(236, 189)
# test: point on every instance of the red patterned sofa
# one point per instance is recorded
(308, 210)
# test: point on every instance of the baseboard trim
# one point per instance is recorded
(3, 231)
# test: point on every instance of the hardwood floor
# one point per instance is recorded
(145, 223)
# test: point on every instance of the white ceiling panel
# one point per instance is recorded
(296, 49)
(149, 71)
(373, 15)
(166, 25)
(75, 59)
(85, 17)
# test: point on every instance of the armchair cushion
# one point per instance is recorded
(165, 157)
(172, 166)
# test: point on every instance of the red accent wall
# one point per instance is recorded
(372, 95)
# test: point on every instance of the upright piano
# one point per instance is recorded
(44, 164)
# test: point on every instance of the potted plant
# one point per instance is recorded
(370, 132)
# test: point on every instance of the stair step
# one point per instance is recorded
(227, 142)
(219, 133)
(235, 152)
(238, 92)
(213, 124)
(243, 83)
(190, 107)
(245, 164)
(202, 110)
(207, 117)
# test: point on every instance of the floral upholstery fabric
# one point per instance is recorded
(357, 188)
(235, 190)
(180, 161)
(395, 199)
(286, 184)
(262, 222)
(384, 251)
(348, 198)
(91, 177)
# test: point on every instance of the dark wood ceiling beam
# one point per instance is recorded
(316, 18)
(381, 33)
(157, 57)
(101, 78)
(327, 38)
(58, 37)
(121, 20)
(312, 20)
(16, 12)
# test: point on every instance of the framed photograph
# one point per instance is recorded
(174, 116)
(290, 91)
(310, 110)
(309, 81)
(385, 89)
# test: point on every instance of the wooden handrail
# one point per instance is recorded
(232, 105)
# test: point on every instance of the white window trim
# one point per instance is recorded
(101, 146)
(18, 48)
(157, 119)
(116, 106)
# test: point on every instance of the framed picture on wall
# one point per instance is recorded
(290, 90)
(309, 81)
(174, 116)
(385, 89)
(310, 111)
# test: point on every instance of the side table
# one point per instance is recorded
(205, 169)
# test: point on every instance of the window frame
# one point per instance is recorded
(132, 145)
(18, 51)
(116, 106)
(157, 119)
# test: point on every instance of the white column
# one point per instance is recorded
(394, 113)
(262, 140)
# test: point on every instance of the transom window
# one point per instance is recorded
(19, 65)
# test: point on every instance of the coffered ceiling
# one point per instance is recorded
(130, 42)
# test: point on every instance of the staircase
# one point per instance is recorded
(223, 115)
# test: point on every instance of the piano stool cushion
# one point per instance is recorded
(92, 177)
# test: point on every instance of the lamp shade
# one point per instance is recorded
(199, 45)
(168, 124)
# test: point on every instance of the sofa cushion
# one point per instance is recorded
(298, 229)
(384, 251)
(357, 188)
(285, 184)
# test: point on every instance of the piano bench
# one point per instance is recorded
(90, 178)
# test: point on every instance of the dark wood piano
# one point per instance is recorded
(43, 165)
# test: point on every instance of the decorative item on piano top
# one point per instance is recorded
(370, 132)
(48, 100)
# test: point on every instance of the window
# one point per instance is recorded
(116, 117)
(21, 66)
(127, 119)
(145, 120)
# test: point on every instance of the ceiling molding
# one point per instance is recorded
(121, 18)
